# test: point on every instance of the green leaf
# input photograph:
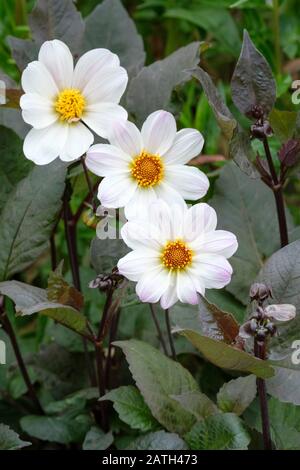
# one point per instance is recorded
(29, 299)
(159, 79)
(50, 19)
(252, 81)
(283, 123)
(220, 432)
(217, 21)
(105, 254)
(215, 323)
(160, 440)
(9, 439)
(96, 439)
(227, 357)
(29, 216)
(246, 207)
(157, 378)
(197, 403)
(61, 429)
(76, 401)
(224, 117)
(13, 165)
(110, 26)
(285, 423)
(131, 408)
(237, 394)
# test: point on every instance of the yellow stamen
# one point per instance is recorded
(176, 255)
(147, 169)
(70, 105)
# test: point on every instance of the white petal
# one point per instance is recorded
(188, 144)
(188, 180)
(42, 146)
(56, 56)
(79, 139)
(37, 110)
(37, 79)
(139, 236)
(169, 194)
(152, 284)
(101, 117)
(169, 297)
(92, 64)
(186, 290)
(158, 132)
(115, 191)
(127, 136)
(107, 86)
(220, 242)
(213, 270)
(135, 263)
(198, 219)
(281, 312)
(107, 160)
(139, 203)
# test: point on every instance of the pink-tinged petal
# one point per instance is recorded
(37, 79)
(37, 110)
(187, 144)
(190, 182)
(115, 191)
(158, 132)
(101, 117)
(127, 137)
(219, 242)
(152, 284)
(140, 202)
(107, 160)
(140, 236)
(186, 290)
(213, 270)
(42, 146)
(79, 139)
(108, 87)
(93, 64)
(199, 219)
(169, 297)
(281, 312)
(135, 263)
(56, 56)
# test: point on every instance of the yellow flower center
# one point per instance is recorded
(147, 169)
(176, 255)
(70, 105)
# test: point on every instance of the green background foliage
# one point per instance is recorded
(206, 400)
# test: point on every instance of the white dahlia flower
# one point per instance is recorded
(177, 253)
(61, 102)
(140, 167)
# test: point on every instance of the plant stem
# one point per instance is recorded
(112, 335)
(70, 231)
(7, 326)
(260, 352)
(109, 296)
(89, 183)
(276, 30)
(53, 252)
(173, 352)
(159, 332)
(277, 191)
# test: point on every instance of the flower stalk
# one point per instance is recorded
(7, 327)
